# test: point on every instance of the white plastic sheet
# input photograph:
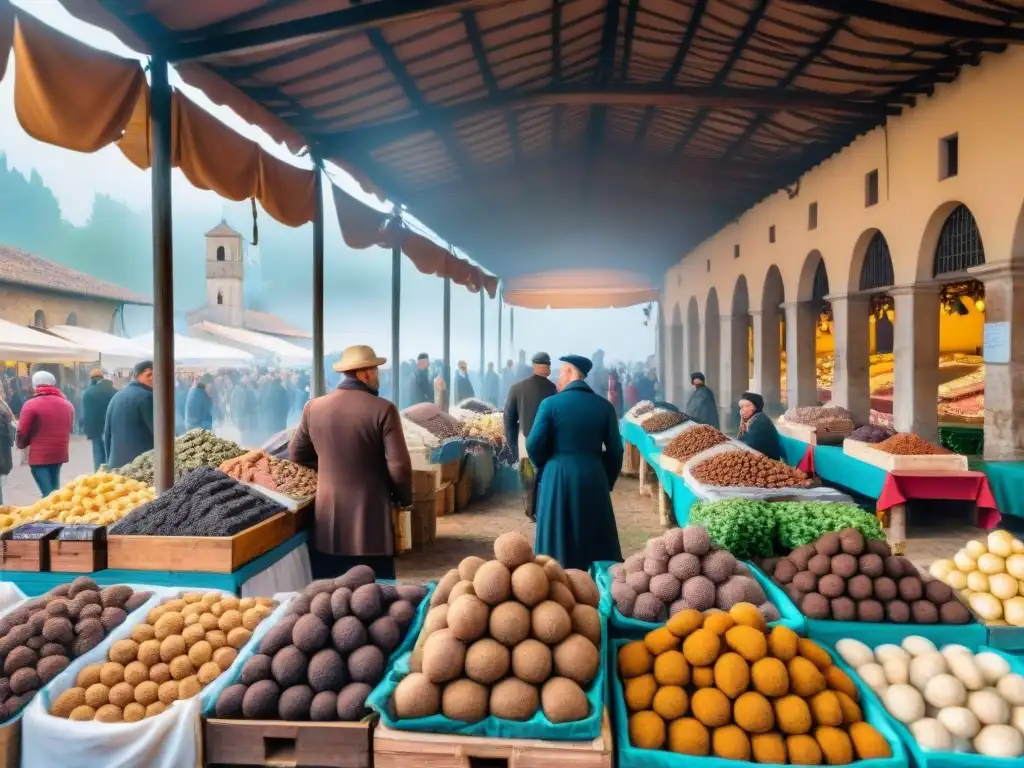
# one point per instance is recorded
(292, 573)
(10, 596)
(661, 439)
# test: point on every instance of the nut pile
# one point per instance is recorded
(434, 420)
(286, 477)
(505, 638)
(723, 685)
(194, 449)
(98, 499)
(814, 414)
(748, 469)
(692, 441)
(989, 575)
(661, 421)
(183, 646)
(41, 637)
(644, 406)
(909, 444)
(844, 577)
(680, 570)
(323, 659)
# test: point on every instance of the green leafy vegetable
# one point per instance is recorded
(801, 523)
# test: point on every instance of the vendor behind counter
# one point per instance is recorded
(756, 428)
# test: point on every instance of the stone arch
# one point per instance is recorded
(740, 297)
(774, 293)
(935, 229)
(871, 267)
(678, 375)
(220, 297)
(221, 255)
(712, 338)
(72, 318)
(959, 246)
(693, 359)
(39, 319)
(813, 283)
(769, 341)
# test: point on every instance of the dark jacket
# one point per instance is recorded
(243, 407)
(645, 389)
(524, 398)
(354, 438)
(274, 405)
(95, 399)
(463, 387)
(492, 384)
(45, 427)
(761, 435)
(199, 409)
(423, 390)
(701, 407)
(6, 439)
(128, 430)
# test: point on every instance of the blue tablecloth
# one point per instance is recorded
(673, 485)
(1006, 479)
(34, 584)
(836, 468)
(793, 450)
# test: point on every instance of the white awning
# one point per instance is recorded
(115, 351)
(579, 289)
(27, 345)
(261, 344)
(200, 353)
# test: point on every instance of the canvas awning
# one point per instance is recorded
(27, 345)
(260, 344)
(200, 353)
(579, 289)
(114, 351)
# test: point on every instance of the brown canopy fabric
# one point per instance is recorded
(579, 289)
(6, 34)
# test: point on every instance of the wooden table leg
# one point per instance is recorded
(664, 507)
(898, 528)
(643, 477)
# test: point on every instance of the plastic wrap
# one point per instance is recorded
(661, 439)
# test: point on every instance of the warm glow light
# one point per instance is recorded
(871, 319)
(891, 314)
(980, 305)
(824, 326)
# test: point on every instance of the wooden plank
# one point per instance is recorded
(278, 743)
(892, 462)
(24, 555)
(78, 556)
(10, 745)
(802, 432)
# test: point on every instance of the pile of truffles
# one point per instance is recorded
(40, 638)
(909, 444)
(644, 406)
(324, 657)
(661, 420)
(692, 441)
(844, 577)
(680, 570)
(951, 701)
(749, 470)
(279, 475)
(434, 420)
(183, 646)
(723, 685)
(505, 638)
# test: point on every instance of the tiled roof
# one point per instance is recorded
(21, 268)
(264, 322)
(223, 230)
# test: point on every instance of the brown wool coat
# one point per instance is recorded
(355, 440)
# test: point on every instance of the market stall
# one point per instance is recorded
(115, 352)
(270, 348)
(27, 345)
(190, 352)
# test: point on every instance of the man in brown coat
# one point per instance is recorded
(354, 438)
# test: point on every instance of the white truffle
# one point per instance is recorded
(874, 676)
(963, 667)
(891, 652)
(931, 735)
(904, 702)
(954, 648)
(993, 666)
(989, 707)
(960, 722)
(916, 645)
(897, 672)
(999, 741)
(1011, 688)
(925, 667)
(945, 691)
(854, 652)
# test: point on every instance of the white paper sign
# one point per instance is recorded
(997, 342)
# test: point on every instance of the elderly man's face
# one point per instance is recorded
(422, 363)
(370, 377)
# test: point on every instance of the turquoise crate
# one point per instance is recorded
(635, 757)
(1008, 639)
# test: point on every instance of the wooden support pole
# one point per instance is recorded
(396, 317)
(318, 284)
(483, 367)
(447, 341)
(499, 365)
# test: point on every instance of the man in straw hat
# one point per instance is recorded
(354, 439)
(95, 399)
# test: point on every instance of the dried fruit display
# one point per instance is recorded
(434, 420)
(845, 577)
(880, 419)
(321, 661)
(184, 645)
(195, 449)
(989, 574)
(98, 499)
(681, 570)
(206, 503)
(489, 427)
(505, 638)
(279, 475)
(692, 441)
(748, 469)
(725, 686)
(830, 419)
(968, 410)
(662, 420)
(909, 444)
(41, 637)
(971, 384)
(871, 433)
(644, 406)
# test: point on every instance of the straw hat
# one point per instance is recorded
(358, 357)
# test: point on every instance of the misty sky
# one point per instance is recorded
(76, 178)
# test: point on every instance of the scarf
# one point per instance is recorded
(357, 386)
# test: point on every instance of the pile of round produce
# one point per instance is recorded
(644, 406)
(953, 700)
(989, 574)
(183, 646)
(909, 444)
(680, 570)
(434, 420)
(662, 420)
(749, 470)
(279, 475)
(323, 659)
(723, 685)
(195, 449)
(41, 637)
(505, 638)
(98, 499)
(843, 576)
(692, 441)
(871, 433)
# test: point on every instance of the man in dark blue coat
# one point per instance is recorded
(95, 399)
(128, 430)
(199, 406)
(577, 450)
(701, 406)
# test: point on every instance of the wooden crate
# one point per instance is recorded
(449, 498)
(424, 519)
(890, 462)
(424, 483)
(25, 554)
(463, 491)
(276, 743)
(213, 554)
(78, 556)
(401, 749)
(808, 434)
(450, 471)
(10, 745)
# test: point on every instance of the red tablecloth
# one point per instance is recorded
(958, 486)
(807, 462)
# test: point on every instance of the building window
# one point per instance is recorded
(949, 156)
(73, 318)
(812, 216)
(709, 265)
(876, 271)
(959, 247)
(220, 297)
(39, 320)
(871, 188)
(771, 234)
(736, 251)
(220, 253)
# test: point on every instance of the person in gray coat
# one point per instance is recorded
(128, 430)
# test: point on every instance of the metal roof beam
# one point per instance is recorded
(490, 81)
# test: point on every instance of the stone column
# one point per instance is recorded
(916, 358)
(767, 358)
(692, 356)
(676, 393)
(733, 379)
(801, 376)
(1004, 382)
(851, 332)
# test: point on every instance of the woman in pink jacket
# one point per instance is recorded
(44, 428)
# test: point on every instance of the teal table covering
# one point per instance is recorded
(793, 450)
(34, 584)
(836, 468)
(1006, 479)
(682, 498)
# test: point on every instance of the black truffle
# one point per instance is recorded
(870, 610)
(279, 636)
(385, 634)
(938, 592)
(81, 584)
(58, 629)
(843, 609)
(910, 588)
(356, 577)
(366, 665)
(299, 606)
(352, 701)
(859, 587)
(844, 565)
(5, 688)
(878, 547)
(403, 612)
(19, 658)
(88, 597)
(324, 707)
(229, 705)
(289, 667)
(257, 668)
(88, 611)
(115, 597)
(893, 567)
(851, 541)
(805, 581)
(831, 586)
(260, 701)
(51, 666)
(871, 565)
(827, 544)
(348, 634)
(295, 702)
(413, 593)
(388, 593)
(815, 606)
(24, 680)
(924, 612)
(58, 607)
(801, 556)
(136, 601)
(784, 571)
(819, 565)
(327, 671)
(310, 634)
(897, 611)
(340, 603)
(318, 587)
(954, 612)
(112, 617)
(52, 649)
(15, 704)
(366, 603)
(885, 588)
(36, 621)
(36, 643)
(320, 606)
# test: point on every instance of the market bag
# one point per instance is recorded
(169, 740)
(636, 757)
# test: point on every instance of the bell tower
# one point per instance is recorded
(225, 273)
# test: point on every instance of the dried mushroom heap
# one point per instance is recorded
(692, 441)
(279, 475)
(206, 503)
(195, 449)
(909, 444)
(723, 685)
(844, 577)
(323, 658)
(507, 638)
(749, 470)
(40, 638)
(434, 420)
(183, 646)
(661, 421)
(681, 570)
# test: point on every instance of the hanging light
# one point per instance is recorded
(980, 305)
(890, 314)
(871, 319)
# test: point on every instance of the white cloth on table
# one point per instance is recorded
(292, 573)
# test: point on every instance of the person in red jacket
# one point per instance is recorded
(44, 428)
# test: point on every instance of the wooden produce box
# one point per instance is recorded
(26, 554)
(78, 556)
(890, 462)
(10, 745)
(810, 434)
(277, 743)
(402, 749)
(213, 554)
(449, 498)
(424, 483)
(450, 471)
(425, 512)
